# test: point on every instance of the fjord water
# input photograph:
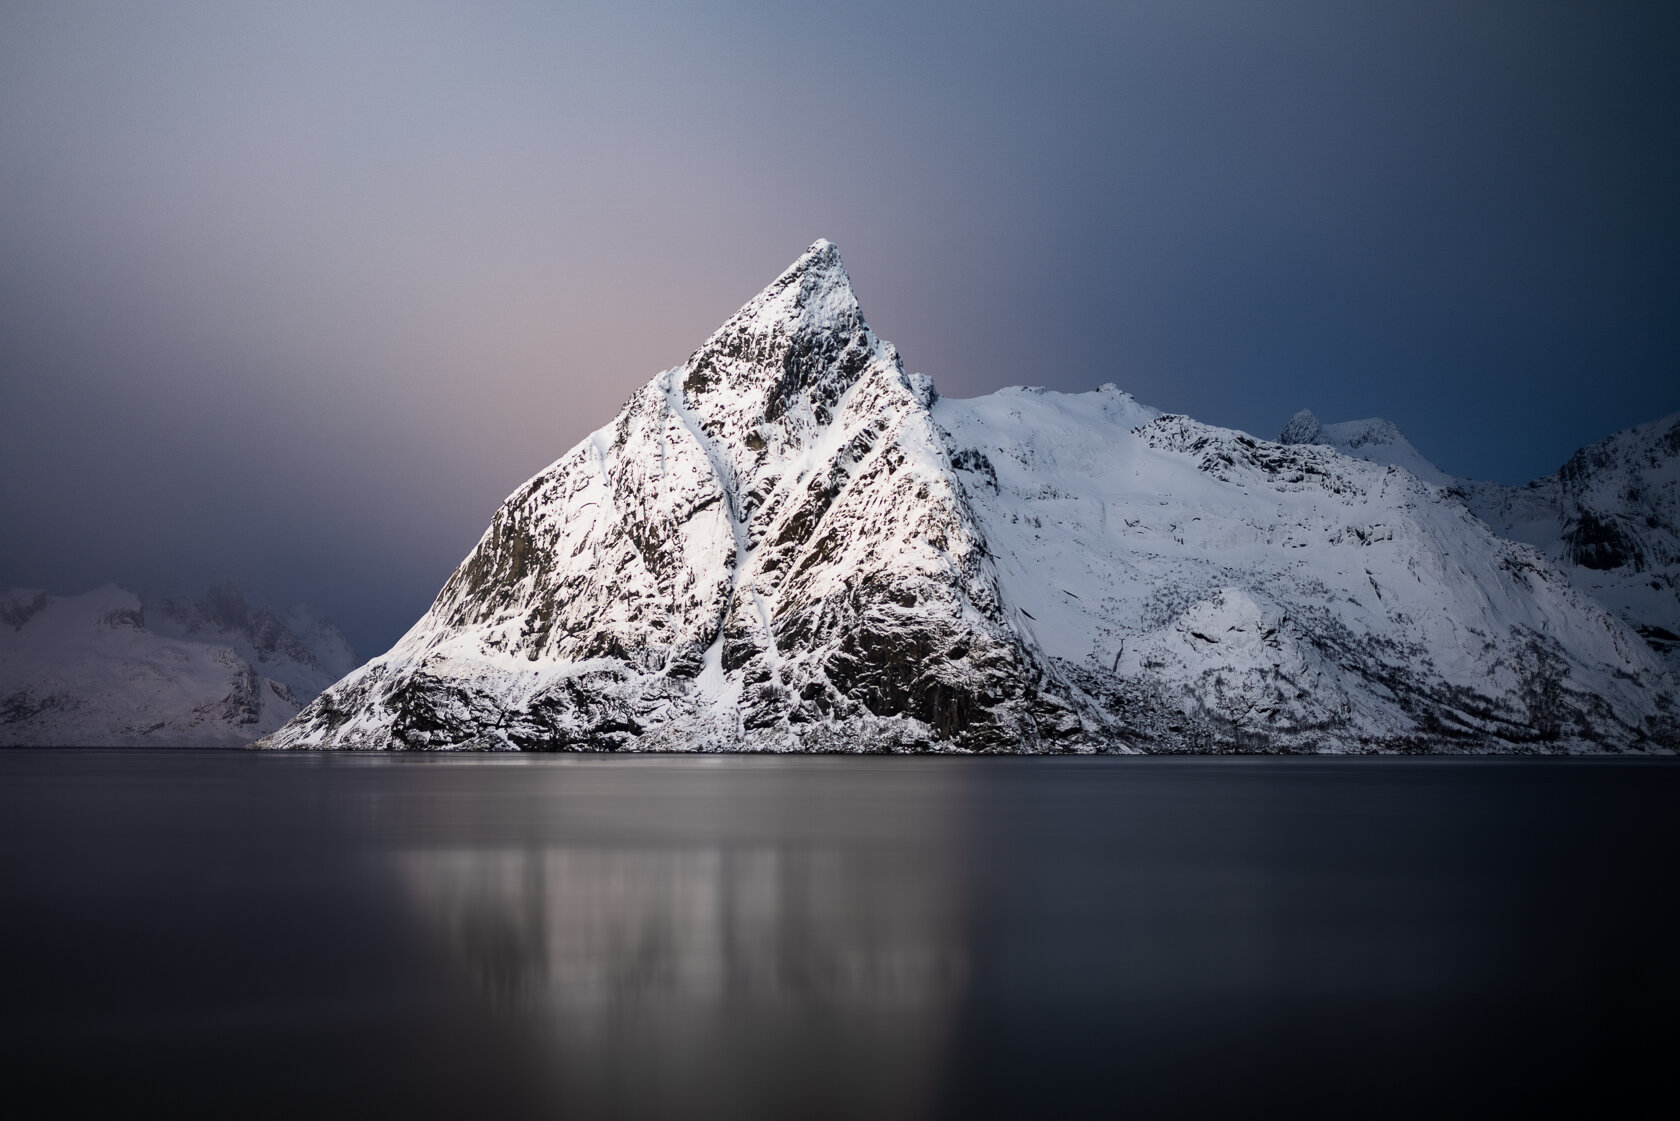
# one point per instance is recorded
(248, 934)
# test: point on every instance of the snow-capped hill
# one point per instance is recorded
(1209, 587)
(789, 543)
(109, 668)
(299, 648)
(1610, 519)
(1374, 439)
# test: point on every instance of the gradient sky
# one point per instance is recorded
(295, 294)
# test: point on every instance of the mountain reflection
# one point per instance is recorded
(659, 979)
(593, 930)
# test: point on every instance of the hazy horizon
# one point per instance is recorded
(296, 297)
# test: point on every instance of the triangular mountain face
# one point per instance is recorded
(767, 548)
(788, 543)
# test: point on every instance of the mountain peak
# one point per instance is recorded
(820, 249)
(1373, 439)
(813, 293)
(791, 351)
(1303, 428)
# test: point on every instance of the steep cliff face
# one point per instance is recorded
(788, 543)
(767, 548)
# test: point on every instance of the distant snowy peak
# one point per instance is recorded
(300, 644)
(1622, 496)
(110, 667)
(1303, 428)
(1374, 440)
(1610, 518)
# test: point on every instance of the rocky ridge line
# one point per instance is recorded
(789, 543)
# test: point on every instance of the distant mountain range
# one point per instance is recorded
(1609, 519)
(790, 543)
(111, 667)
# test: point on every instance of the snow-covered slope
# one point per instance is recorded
(1213, 589)
(767, 547)
(109, 668)
(789, 543)
(1609, 518)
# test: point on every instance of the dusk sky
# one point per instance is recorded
(295, 294)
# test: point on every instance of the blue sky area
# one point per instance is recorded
(296, 294)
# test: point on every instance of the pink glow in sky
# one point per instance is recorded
(295, 294)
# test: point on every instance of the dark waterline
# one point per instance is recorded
(244, 934)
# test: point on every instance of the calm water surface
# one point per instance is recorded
(235, 934)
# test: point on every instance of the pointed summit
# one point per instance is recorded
(1303, 428)
(820, 264)
(767, 549)
(818, 268)
(788, 355)
(813, 294)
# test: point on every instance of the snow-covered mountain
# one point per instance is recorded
(1374, 440)
(789, 543)
(1609, 518)
(109, 667)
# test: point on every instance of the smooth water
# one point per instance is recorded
(239, 934)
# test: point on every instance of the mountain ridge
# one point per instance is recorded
(1608, 518)
(788, 542)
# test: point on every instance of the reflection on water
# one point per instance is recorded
(252, 935)
(589, 933)
(816, 976)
